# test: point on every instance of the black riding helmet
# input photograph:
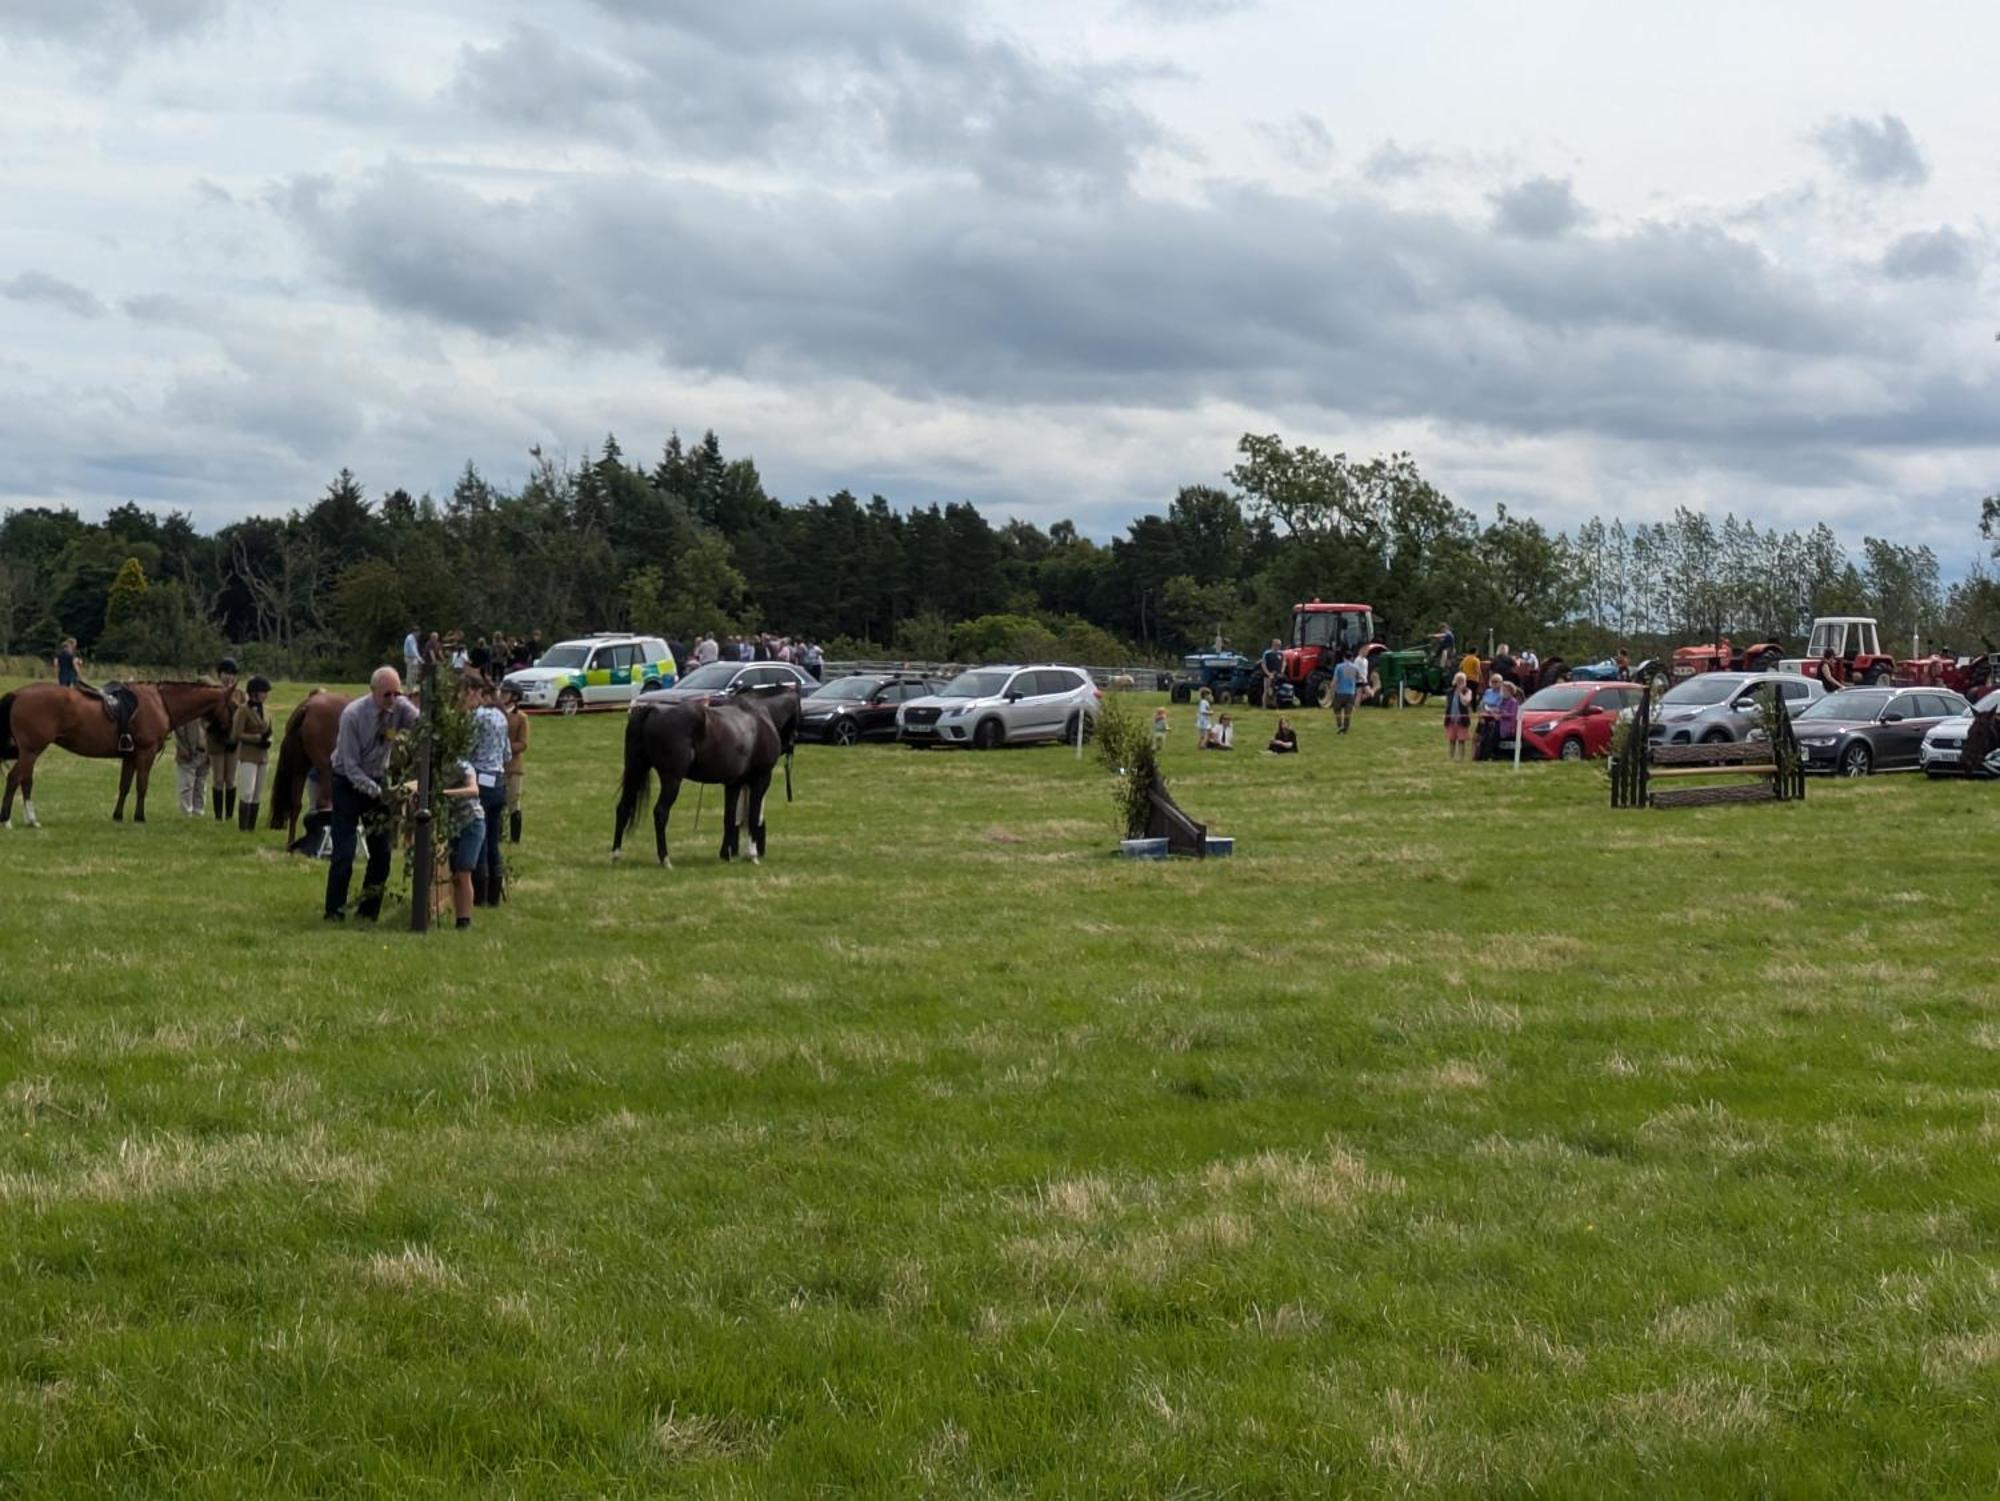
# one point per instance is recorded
(226, 665)
(259, 685)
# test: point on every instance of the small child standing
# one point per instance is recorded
(191, 767)
(1457, 717)
(1204, 706)
(1159, 730)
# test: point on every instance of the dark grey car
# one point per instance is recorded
(1861, 730)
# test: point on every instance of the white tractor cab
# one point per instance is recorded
(1854, 644)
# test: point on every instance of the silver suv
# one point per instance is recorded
(1723, 705)
(991, 706)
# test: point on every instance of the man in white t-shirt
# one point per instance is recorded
(706, 651)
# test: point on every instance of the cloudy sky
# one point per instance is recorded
(1049, 255)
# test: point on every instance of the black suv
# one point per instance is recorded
(861, 707)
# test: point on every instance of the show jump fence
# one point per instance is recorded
(1773, 762)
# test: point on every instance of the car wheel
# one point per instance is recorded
(1069, 730)
(1856, 761)
(652, 686)
(845, 731)
(1716, 737)
(1572, 748)
(989, 735)
(569, 701)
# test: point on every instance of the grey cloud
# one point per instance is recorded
(1187, 10)
(1873, 153)
(810, 84)
(1539, 209)
(1938, 254)
(1303, 140)
(107, 26)
(1670, 332)
(39, 286)
(1391, 162)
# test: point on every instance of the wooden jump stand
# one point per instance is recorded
(1775, 763)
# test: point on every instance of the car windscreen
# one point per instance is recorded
(567, 657)
(1986, 705)
(1706, 689)
(846, 690)
(976, 685)
(1562, 697)
(715, 675)
(1861, 704)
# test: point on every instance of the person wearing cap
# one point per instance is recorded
(517, 749)
(222, 743)
(252, 729)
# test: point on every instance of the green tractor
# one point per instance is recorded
(1410, 674)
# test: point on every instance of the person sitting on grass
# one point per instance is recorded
(1284, 740)
(1223, 736)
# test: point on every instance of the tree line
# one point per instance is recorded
(692, 542)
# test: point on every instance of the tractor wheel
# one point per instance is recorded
(1179, 693)
(1319, 690)
(1856, 760)
(1414, 698)
(1766, 660)
(989, 735)
(1572, 748)
(569, 702)
(1873, 677)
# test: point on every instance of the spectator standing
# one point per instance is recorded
(1624, 666)
(413, 654)
(708, 651)
(1503, 662)
(1469, 665)
(252, 731)
(222, 743)
(533, 647)
(361, 747)
(815, 661)
(1204, 706)
(517, 750)
(191, 767)
(68, 664)
(480, 657)
(1457, 716)
(466, 836)
(1274, 669)
(1508, 725)
(1348, 675)
(492, 748)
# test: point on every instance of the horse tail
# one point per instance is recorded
(288, 783)
(636, 790)
(8, 750)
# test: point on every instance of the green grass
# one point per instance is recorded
(1459, 1136)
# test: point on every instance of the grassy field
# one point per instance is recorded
(1459, 1136)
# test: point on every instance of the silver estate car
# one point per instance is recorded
(991, 706)
(1723, 705)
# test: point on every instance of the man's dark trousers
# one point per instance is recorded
(350, 805)
(488, 879)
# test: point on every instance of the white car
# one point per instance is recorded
(1939, 754)
(992, 706)
(595, 672)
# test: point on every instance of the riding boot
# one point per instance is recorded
(246, 817)
(514, 827)
(230, 801)
(216, 794)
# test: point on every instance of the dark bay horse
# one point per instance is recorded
(735, 745)
(307, 747)
(42, 714)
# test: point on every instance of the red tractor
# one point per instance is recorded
(1722, 656)
(1846, 649)
(1322, 634)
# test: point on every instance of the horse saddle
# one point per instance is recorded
(120, 703)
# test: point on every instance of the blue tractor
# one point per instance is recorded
(1230, 677)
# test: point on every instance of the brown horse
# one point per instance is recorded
(307, 747)
(42, 714)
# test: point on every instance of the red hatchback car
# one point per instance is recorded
(1569, 721)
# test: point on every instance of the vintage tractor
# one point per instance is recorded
(1847, 649)
(1722, 656)
(1228, 676)
(1411, 674)
(1322, 635)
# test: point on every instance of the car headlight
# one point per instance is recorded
(1817, 739)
